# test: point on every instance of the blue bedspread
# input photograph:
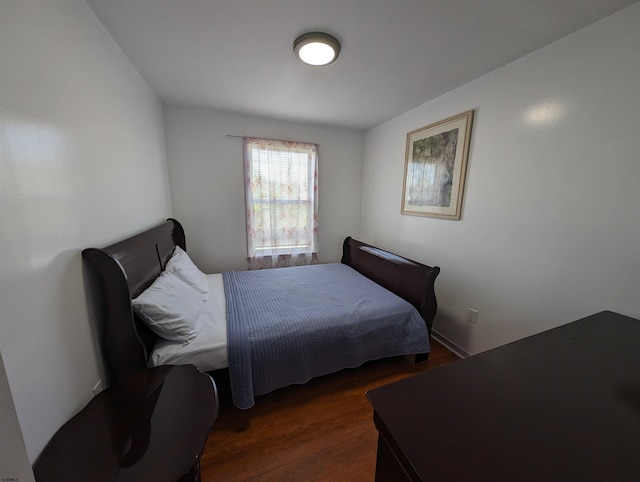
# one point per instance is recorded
(288, 325)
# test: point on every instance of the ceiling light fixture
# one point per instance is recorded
(317, 48)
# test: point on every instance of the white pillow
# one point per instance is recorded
(171, 308)
(181, 265)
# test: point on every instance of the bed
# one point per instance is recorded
(371, 305)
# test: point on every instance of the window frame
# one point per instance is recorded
(285, 152)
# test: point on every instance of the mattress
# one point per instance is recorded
(208, 350)
(288, 325)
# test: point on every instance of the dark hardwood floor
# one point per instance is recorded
(322, 430)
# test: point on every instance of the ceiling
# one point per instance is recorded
(237, 55)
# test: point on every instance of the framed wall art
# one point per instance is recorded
(435, 167)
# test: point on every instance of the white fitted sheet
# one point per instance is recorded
(208, 350)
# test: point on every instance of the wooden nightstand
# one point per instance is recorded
(151, 427)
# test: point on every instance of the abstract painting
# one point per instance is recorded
(435, 168)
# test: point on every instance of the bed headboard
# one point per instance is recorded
(123, 270)
(408, 279)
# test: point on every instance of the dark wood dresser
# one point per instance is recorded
(563, 405)
(151, 427)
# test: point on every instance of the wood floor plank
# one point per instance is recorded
(361, 470)
(284, 447)
(322, 463)
(322, 430)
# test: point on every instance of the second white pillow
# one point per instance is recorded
(181, 265)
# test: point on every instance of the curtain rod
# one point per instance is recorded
(269, 139)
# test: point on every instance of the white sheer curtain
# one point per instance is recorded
(281, 186)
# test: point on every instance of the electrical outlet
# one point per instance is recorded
(97, 388)
(472, 316)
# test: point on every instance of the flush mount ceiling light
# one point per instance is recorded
(316, 48)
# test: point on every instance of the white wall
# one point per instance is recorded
(82, 164)
(207, 181)
(550, 228)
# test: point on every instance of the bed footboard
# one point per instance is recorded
(408, 279)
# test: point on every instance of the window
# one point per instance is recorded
(282, 202)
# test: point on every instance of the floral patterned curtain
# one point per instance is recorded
(281, 187)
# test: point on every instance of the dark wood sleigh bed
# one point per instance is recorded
(120, 272)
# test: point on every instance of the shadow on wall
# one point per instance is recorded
(96, 313)
(14, 463)
(444, 318)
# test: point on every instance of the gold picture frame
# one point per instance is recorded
(435, 168)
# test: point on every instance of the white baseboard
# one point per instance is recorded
(449, 345)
